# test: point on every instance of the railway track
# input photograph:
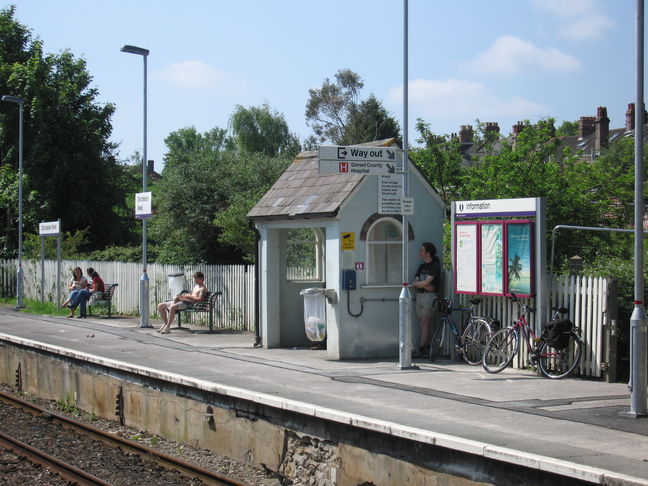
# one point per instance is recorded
(194, 474)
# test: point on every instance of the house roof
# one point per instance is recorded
(302, 192)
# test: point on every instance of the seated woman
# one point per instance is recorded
(77, 282)
(83, 295)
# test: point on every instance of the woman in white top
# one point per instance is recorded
(77, 282)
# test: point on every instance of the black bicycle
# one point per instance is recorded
(470, 344)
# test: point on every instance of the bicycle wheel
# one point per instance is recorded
(438, 339)
(500, 350)
(474, 341)
(558, 363)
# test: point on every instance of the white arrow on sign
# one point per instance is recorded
(359, 159)
(360, 153)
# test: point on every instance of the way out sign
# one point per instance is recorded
(143, 205)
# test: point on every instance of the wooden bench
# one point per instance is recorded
(205, 305)
(105, 300)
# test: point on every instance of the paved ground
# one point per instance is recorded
(571, 425)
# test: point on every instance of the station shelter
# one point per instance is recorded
(324, 231)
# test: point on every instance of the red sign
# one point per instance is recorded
(344, 167)
(359, 265)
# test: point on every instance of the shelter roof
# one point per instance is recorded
(302, 192)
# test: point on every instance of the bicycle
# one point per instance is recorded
(556, 352)
(475, 335)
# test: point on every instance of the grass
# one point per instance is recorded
(36, 307)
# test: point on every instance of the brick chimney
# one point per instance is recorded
(601, 128)
(585, 126)
(465, 134)
(630, 117)
(517, 128)
(150, 168)
(492, 127)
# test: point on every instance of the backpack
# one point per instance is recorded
(557, 333)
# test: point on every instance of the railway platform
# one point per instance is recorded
(569, 428)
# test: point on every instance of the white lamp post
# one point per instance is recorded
(144, 281)
(20, 274)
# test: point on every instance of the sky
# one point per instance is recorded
(489, 60)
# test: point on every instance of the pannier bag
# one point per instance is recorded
(557, 333)
(442, 305)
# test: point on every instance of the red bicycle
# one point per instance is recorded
(557, 351)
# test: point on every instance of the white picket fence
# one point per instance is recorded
(234, 309)
(587, 301)
(585, 297)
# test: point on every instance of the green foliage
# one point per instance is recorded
(567, 128)
(66, 141)
(440, 162)
(68, 405)
(258, 129)
(71, 245)
(124, 254)
(210, 182)
(335, 115)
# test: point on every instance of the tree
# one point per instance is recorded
(68, 159)
(258, 129)
(440, 161)
(336, 115)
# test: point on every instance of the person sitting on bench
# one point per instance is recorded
(181, 301)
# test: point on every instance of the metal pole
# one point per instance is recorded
(405, 298)
(638, 327)
(42, 259)
(21, 274)
(144, 282)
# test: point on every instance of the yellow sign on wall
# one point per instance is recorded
(348, 241)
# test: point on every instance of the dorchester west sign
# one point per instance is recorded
(359, 159)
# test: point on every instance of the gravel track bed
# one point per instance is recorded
(107, 462)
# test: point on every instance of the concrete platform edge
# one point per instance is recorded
(507, 455)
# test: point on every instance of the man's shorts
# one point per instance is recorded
(180, 305)
(425, 304)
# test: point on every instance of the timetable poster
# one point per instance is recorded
(466, 258)
(519, 258)
(492, 258)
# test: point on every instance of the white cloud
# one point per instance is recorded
(588, 27)
(197, 75)
(512, 55)
(459, 101)
(578, 19)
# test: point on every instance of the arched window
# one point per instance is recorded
(384, 252)
(304, 254)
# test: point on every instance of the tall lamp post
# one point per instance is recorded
(144, 281)
(20, 273)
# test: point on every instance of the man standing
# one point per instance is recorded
(427, 283)
(182, 301)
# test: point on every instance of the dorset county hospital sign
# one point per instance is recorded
(359, 159)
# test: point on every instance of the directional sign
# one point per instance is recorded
(359, 159)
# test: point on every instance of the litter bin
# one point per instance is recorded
(176, 284)
(315, 313)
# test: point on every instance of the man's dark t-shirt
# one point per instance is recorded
(429, 269)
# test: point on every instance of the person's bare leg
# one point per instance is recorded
(162, 308)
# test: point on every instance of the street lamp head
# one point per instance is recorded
(13, 99)
(135, 50)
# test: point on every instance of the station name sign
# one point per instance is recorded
(143, 205)
(49, 228)
(359, 159)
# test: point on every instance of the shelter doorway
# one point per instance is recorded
(302, 266)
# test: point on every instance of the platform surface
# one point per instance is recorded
(571, 426)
